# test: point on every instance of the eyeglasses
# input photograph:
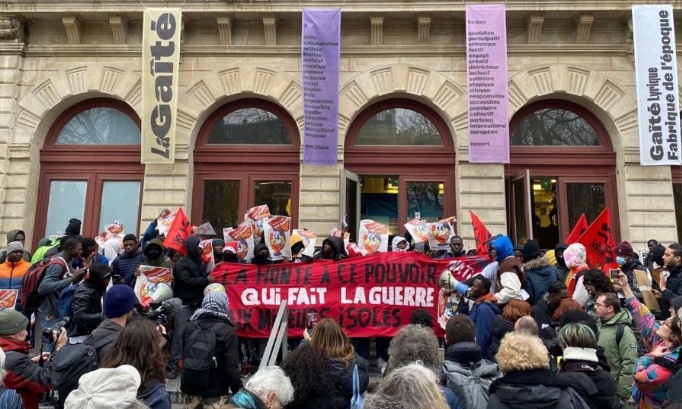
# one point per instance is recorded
(599, 304)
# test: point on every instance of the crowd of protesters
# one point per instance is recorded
(535, 328)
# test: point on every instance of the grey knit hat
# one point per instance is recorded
(14, 246)
(11, 322)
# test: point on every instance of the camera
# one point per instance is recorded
(49, 332)
(158, 312)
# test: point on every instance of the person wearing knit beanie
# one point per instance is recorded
(24, 374)
(119, 301)
(107, 388)
(628, 263)
(74, 227)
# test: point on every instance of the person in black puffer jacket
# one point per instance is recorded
(504, 324)
(309, 369)
(86, 308)
(579, 344)
(329, 336)
(528, 383)
(225, 376)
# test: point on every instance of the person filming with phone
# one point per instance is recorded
(671, 283)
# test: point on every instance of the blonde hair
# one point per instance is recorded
(411, 387)
(329, 335)
(521, 352)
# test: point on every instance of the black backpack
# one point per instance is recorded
(199, 360)
(68, 365)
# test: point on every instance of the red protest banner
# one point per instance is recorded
(481, 234)
(599, 243)
(578, 230)
(368, 296)
(178, 232)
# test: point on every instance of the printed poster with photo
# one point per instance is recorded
(8, 298)
(419, 230)
(243, 235)
(111, 231)
(207, 254)
(256, 216)
(277, 234)
(308, 238)
(441, 232)
(373, 237)
(149, 277)
(164, 223)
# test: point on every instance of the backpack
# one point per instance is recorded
(68, 365)
(30, 299)
(65, 301)
(641, 349)
(10, 399)
(198, 359)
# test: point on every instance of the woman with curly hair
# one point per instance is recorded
(528, 381)
(504, 323)
(138, 345)
(329, 336)
(309, 370)
(410, 387)
(596, 283)
(415, 343)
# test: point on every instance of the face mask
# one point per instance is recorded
(620, 261)
(153, 255)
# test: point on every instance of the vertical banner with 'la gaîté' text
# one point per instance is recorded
(320, 56)
(656, 75)
(160, 60)
(487, 83)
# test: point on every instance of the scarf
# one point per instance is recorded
(247, 400)
(214, 304)
(580, 354)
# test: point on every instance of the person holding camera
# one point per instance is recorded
(86, 308)
(25, 375)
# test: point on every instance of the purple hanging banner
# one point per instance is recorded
(320, 55)
(487, 83)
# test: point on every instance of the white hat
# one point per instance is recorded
(105, 388)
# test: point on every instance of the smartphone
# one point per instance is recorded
(614, 272)
(311, 319)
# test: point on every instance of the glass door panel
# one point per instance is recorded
(379, 200)
(120, 201)
(277, 195)
(520, 206)
(350, 200)
(67, 200)
(221, 203)
(588, 198)
(425, 199)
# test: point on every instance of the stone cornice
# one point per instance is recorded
(260, 6)
(349, 51)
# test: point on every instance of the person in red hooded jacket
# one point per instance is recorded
(24, 374)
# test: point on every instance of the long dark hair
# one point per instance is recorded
(138, 345)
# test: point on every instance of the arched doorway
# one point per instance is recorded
(247, 154)
(562, 165)
(90, 169)
(404, 157)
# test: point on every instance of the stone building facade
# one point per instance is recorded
(58, 57)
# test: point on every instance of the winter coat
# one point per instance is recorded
(539, 275)
(482, 314)
(23, 375)
(466, 372)
(509, 279)
(673, 287)
(190, 275)
(103, 338)
(579, 363)
(227, 375)
(86, 309)
(12, 236)
(629, 270)
(56, 279)
(11, 277)
(342, 375)
(621, 357)
(535, 389)
(339, 249)
(652, 375)
(125, 266)
(501, 327)
(155, 395)
(542, 315)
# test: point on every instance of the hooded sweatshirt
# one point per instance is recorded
(510, 277)
(396, 241)
(190, 274)
(561, 262)
(12, 236)
(339, 249)
(162, 260)
(575, 257)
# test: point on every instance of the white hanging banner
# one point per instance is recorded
(656, 76)
(160, 60)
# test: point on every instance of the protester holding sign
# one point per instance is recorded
(13, 270)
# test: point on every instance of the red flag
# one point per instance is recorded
(178, 232)
(599, 243)
(481, 234)
(578, 230)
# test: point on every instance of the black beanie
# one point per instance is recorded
(531, 250)
(74, 227)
